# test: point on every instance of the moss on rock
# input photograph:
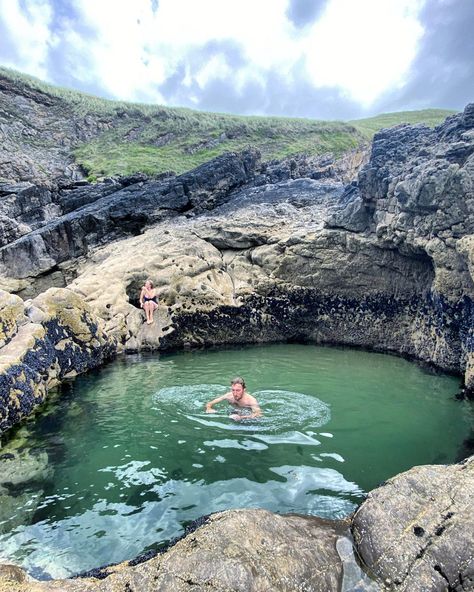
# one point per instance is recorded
(68, 341)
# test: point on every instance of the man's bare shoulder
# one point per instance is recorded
(251, 400)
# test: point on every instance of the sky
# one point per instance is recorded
(320, 59)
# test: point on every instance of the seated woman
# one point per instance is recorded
(149, 300)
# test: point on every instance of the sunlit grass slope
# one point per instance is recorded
(430, 117)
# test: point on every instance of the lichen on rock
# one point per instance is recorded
(67, 338)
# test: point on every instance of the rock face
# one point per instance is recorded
(245, 252)
(53, 337)
(248, 252)
(411, 532)
(114, 210)
(28, 114)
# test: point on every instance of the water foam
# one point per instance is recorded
(287, 410)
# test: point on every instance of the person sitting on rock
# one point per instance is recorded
(238, 398)
(149, 300)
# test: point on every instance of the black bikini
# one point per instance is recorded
(152, 299)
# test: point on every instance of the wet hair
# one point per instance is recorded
(238, 380)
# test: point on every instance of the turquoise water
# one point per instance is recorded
(129, 456)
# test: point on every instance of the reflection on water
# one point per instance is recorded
(127, 456)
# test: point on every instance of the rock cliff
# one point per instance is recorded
(244, 251)
(51, 338)
(38, 132)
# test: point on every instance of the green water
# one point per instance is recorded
(132, 457)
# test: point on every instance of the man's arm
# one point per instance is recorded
(209, 405)
(256, 412)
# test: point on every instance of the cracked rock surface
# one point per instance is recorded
(415, 532)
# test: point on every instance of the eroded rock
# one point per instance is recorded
(65, 339)
(415, 532)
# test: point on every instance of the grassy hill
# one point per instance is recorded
(131, 137)
(430, 117)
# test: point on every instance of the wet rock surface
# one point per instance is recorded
(53, 337)
(415, 532)
(19, 467)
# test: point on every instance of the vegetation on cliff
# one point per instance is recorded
(119, 138)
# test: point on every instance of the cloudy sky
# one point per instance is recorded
(324, 59)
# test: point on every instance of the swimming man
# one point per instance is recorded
(239, 398)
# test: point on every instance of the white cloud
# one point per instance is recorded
(128, 49)
(259, 26)
(117, 53)
(364, 47)
(138, 48)
(216, 67)
(30, 28)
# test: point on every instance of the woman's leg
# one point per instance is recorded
(147, 307)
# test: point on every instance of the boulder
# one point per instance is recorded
(64, 339)
(414, 533)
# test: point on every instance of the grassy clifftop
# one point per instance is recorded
(430, 117)
(115, 137)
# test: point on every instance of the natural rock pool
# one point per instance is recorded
(124, 458)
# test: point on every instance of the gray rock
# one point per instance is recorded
(111, 211)
(12, 574)
(415, 532)
(255, 550)
(67, 340)
(24, 467)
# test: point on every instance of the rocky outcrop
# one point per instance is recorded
(411, 532)
(22, 207)
(38, 132)
(42, 342)
(416, 196)
(243, 251)
(114, 210)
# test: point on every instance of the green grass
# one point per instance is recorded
(130, 145)
(430, 117)
(110, 154)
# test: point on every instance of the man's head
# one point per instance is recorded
(238, 387)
